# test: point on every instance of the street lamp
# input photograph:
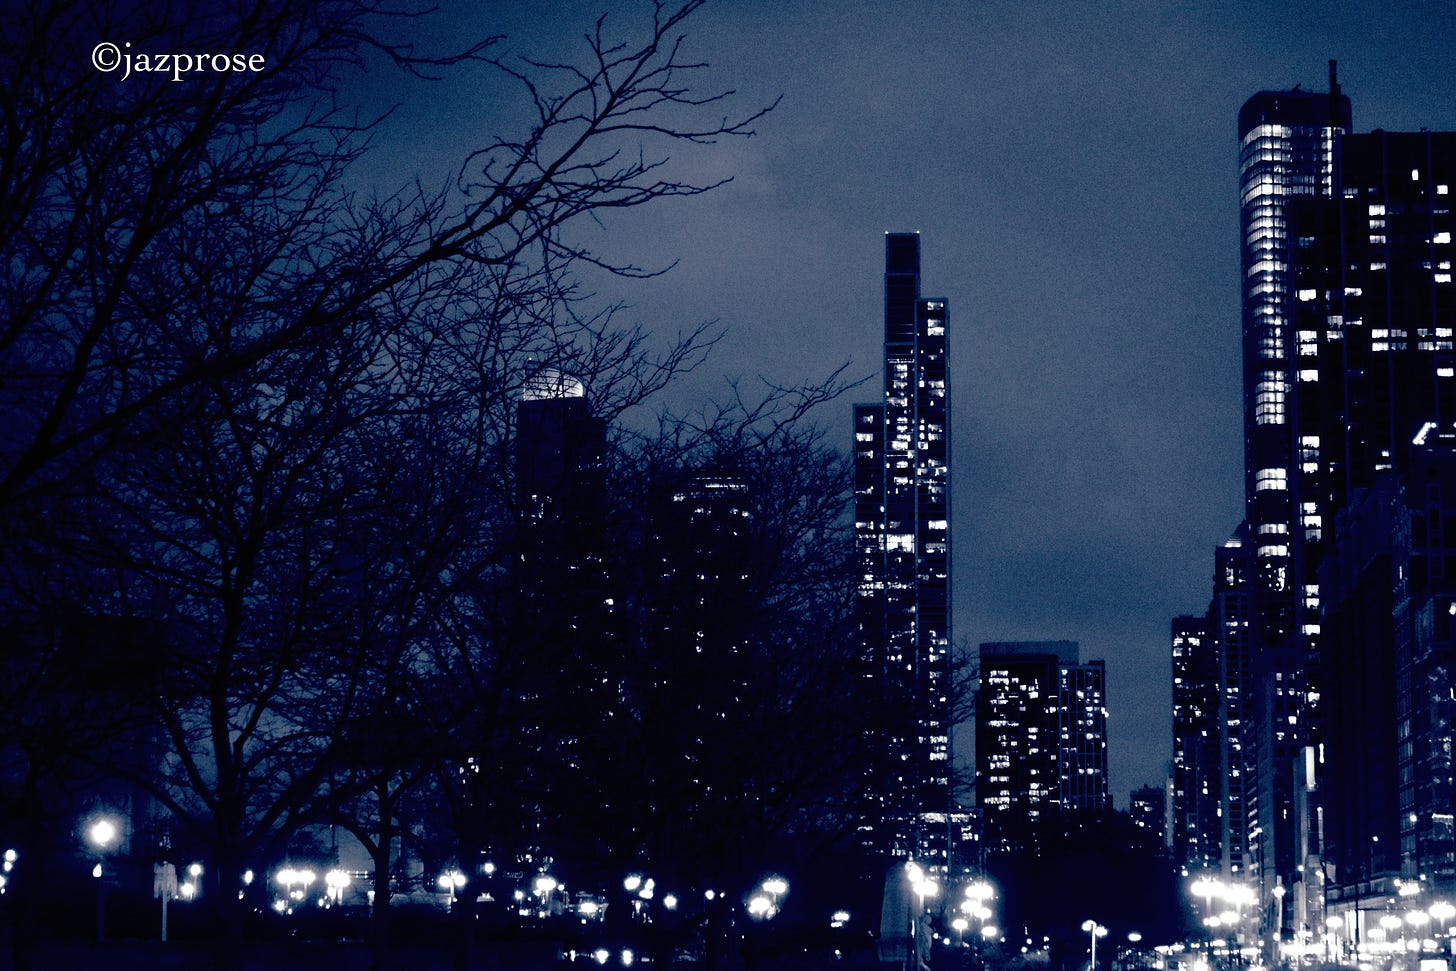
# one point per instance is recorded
(923, 886)
(1207, 888)
(775, 887)
(1442, 911)
(450, 881)
(295, 884)
(102, 833)
(336, 881)
(1333, 925)
(1094, 930)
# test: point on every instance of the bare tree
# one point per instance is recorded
(162, 235)
(209, 344)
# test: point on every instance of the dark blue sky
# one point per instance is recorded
(1072, 170)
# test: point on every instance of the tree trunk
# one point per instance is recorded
(379, 911)
(230, 909)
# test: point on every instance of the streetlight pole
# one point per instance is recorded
(102, 832)
(1094, 930)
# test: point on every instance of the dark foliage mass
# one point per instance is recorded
(1103, 867)
(276, 556)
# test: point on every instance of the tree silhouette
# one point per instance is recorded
(272, 417)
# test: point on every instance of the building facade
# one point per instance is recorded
(1347, 327)
(902, 531)
(1194, 836)
(1287, 151)
(1148, 807)
(1374, 317)
(1041, 737)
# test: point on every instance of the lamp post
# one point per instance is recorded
(101, 833)
(1333, 925)
(1094, 930)
(1442, 911)
(977, 893)
(1394, 931)
(451, 881)
(924, 887)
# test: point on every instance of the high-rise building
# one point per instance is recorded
(1211, 723)
(1041, 737)
(559, 452)
(1388, 581)
(1373, 322)
(1347, 325)
(1230, 622)
(1196, 768)
(902, 528)
(1082, 737)
(1287, 151)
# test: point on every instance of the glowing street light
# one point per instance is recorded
(1442, 911)
(775, 887)
(295, 884)
(336, 881)
(451, 881)
(1094, 930)
(102, 833)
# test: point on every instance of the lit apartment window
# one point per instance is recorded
(1270, 479)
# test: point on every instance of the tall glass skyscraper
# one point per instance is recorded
(1287, 148)
(1348, 364)
(902, 529)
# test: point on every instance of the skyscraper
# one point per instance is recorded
(1287, 147)
(1211, 723)
(1230, 619)
(1347, 325)
(1373, 322)
(1196, 767)
(902, 529)
(1041, 737)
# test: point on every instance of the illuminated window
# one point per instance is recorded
(1270, 479)
(1441, 238)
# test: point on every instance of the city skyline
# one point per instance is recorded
(1074, 176)
(550, 476)
(1325, 776)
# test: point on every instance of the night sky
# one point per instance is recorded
(1072, 170)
